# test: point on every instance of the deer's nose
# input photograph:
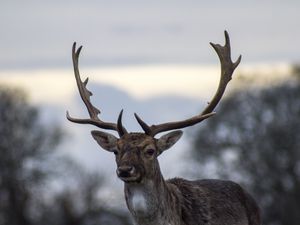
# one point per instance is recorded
(125, 171)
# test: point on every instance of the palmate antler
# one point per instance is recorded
(227, 69)
(85, 95)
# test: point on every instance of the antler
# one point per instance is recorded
(85, 95)
(227, 69)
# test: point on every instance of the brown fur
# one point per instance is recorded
(154, 201)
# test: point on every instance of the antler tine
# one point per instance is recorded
(121, 129)
(144, 126)
(85, 95)
(227, 69)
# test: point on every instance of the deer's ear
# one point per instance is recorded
(105, 140)
(168, 140)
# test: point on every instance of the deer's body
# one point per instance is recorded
(155, 201)
(181, 202)
(152, 200)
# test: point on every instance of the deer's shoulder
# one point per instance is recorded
(210, 200)
(206, 187)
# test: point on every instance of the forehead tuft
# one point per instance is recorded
(135, 136)
(135, 139)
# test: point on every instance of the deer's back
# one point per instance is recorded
(215, 202)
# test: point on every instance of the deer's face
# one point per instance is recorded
(136, 153)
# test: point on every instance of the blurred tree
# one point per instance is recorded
(27, 162)
(296, 70)
(24, 146)
(79, 203)
(255, 140)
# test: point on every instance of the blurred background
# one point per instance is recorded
(152, 58)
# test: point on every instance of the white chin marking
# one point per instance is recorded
(138, 202)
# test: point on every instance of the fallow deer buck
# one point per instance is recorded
(151, 199)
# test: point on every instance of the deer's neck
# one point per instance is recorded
(152, 201)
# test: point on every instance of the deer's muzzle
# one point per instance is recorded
(128, 174)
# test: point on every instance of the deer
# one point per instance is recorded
(150, 198)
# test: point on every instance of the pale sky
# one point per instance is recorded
(39, 34)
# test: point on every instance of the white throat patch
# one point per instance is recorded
(138, 201)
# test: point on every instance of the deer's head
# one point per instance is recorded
(136, 153)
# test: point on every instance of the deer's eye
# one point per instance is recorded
(150, 152)
(116, 152)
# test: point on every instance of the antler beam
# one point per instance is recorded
(227, 69)
(85, 95)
